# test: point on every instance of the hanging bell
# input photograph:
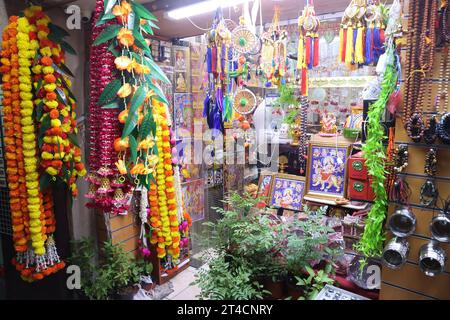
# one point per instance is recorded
(105, 186)
(119, 197)
(395, 253)
(432, 259)
(92, 191)
(403, 222)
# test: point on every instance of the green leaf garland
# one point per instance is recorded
(371, 243)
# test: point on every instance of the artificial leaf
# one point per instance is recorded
(107, 34)
(147, 29)
(108, 5)
(44, 181)
(110, 91)
(67, 71)
(156, 71)
(113, 50)
(39, 110)
(57, 31)
(142, 11)
(104, 18)
(112, 105)
(137, 100)
(73, 138)
(140, 41)
(145, 128)
(45, 124)
(133, 148)
(158, 91)
(61, 96)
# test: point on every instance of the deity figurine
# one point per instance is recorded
(328, 122)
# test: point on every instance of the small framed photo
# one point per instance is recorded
(265, 184)
(287, 192)
(326, 170)
(181, 58)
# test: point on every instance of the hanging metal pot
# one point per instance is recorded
(440, 227)
(403, 222)
(432, 259)
(395, 253)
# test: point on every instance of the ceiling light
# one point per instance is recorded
(201, 8)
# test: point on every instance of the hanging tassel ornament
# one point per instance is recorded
(349, 47)
(359, 45)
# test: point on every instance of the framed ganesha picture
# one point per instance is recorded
(287, 192)
(327, 170)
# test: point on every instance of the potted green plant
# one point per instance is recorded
(307, 246)
(314, 282)
(115, 276)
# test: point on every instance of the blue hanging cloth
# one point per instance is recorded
(368, 46)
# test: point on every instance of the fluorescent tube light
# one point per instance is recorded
(201, 8)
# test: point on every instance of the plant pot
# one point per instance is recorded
(276, 288)
(294, 291)
(126, 293)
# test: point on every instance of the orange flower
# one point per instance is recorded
(46, 61)
(54, 114)
(124, 91)
(125, 37)
(49, 78)
(137, 168)
(121, 144)
(123, 116)
(123, 62)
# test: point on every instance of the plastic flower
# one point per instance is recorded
(124, 91)
(123, 63)
(125, 37)
(121, 167)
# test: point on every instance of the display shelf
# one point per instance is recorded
(424, 176)
(334, 204)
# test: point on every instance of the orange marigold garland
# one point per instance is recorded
(25, 40)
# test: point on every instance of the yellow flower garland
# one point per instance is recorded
(27, 50)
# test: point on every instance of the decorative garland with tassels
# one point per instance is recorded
(35, 83)
(361, 34)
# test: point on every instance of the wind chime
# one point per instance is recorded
(308, 44)
(361, 35)
(274, 52)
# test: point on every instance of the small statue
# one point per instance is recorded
(328, 122)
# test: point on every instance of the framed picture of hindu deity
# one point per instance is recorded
(326, 170)
(265, 185)
(287, 192)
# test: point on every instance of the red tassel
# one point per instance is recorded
(316, 52)
(308, 50)
(304, 85)
(382, 39)
(344, 45)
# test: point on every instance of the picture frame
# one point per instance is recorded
(265, 185)
(287, 192)
(326, 170)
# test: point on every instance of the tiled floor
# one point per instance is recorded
(183, 290)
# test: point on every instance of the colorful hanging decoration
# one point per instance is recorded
(217, 104)
(308, 45)
(274, 52)
(40, 136)
(244, 40)
(361, 34)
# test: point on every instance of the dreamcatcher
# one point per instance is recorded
(244, 40)
(274, 51)
(244, 103)
(308, 44)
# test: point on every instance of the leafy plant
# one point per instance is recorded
(287, 96)
(223, 281)
(314, 282)
(307, 242)
(117, 269)
(371, 243)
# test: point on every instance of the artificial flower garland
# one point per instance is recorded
(31, 201)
